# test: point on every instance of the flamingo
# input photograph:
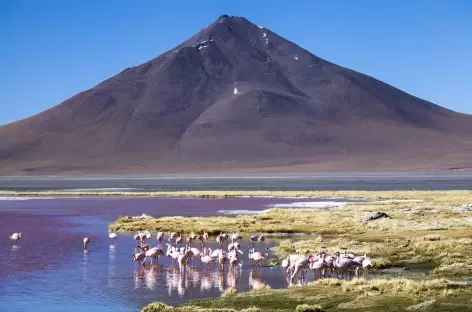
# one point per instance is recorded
(220, 239)
(196, 253)
(148, 236)
(257, 257)
(286, 264)
(329, 261)
(318, 266)
(139, 256)
(172, 237)
(112, 236)
(182, 259)
(215, 253)
(344, 264)
(139, 237)
(143, 247)
(15, 236)
(222, 260)
(234, 259)
(365, 266)
(235, 237)
(160, 237)
(190, 240)
(152, 253)
(233, 246)
(200, 238)
(86, 241)
(206, 236)
(301, 267)
(178, 240)
(207, 260)
(172, 253)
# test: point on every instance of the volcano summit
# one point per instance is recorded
(237, 97)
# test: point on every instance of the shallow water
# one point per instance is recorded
(48, 269)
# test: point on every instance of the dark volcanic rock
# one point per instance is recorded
(378, 215)
(237, 97)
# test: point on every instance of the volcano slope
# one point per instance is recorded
(237, 97)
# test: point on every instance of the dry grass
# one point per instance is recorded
(337, 295)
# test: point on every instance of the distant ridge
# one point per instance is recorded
(237, 97)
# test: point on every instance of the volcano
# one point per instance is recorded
(237, 97)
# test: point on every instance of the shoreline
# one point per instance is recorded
(326, 194)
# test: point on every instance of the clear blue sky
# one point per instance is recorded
(50, 50)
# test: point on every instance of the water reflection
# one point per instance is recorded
(255, 280)
(105, 276)
(111, 264)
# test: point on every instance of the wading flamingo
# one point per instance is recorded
(256, 256)
(152, 253)
(160, 237)
(301, 267)
(222, 260)
(207, 260)
(15, 236)
(112, 236)
(220, 239)
(143, 247)
(86, 241)
(148, 236)
(182, 259)
(178, 240)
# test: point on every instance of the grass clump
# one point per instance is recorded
(308, 308)
(157, 307)
(229, 292)
(424, 306)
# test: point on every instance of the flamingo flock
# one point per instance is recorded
(339, 265)
(192, 249)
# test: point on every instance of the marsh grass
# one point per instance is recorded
(439, 236)
(338, 295)
(427, 230)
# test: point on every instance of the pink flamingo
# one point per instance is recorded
(301, 267)
(178, 240)
(86, 241)
(318, 266)
(220, 239)
(234, 258)
(152, 253)
(207, 260)
(257, 257)
(182, 259)
(172, 236)
(345, 264)
(206, 236)
(222, 260)
(147, 236)
(160, 238)
(15, 236)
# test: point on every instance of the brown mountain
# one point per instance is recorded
(237, 97)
